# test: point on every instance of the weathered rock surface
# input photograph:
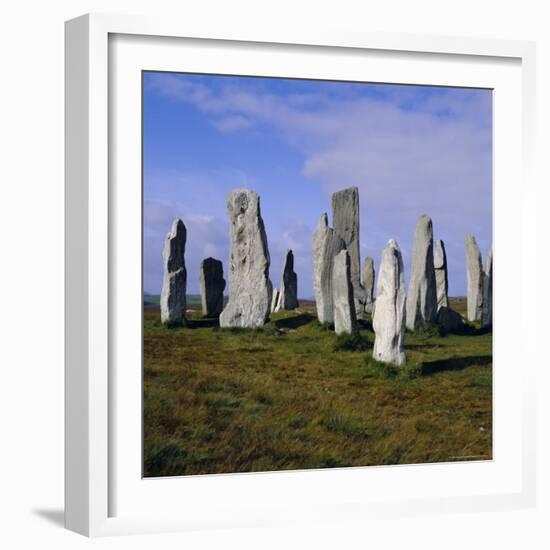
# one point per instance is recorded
(487, 306)
(389, 314)
(212, 285)
(326, 244)
(289, 284)
(174, 283)
(422, 294)
(250, 290)
(345, 218)
(342, 293)
(474, 274)
(441, 277)
(449, 320)
(368, 284)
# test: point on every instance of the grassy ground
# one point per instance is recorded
(293, 395)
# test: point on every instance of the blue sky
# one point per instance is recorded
(409, 149)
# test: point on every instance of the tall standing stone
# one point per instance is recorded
(250, 290)
(345, 218)
(174, 283)
(289, 284)
(422, 294)
(487, 307)
(212, 285)
(441, 277)
(368, 283)
(326, 244)
(474, 273)
(342, 294)
(389, 314)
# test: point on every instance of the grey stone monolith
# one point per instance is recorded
(422, 294)
(487, 306)
(212, 285)
(449, 320)
(368, 284)
(326, 244)
(174, 283)
(345, 219)
(474, 278)
(342, 294)
(441, 277)
(389, 315)
(250, 290)
(289, 284)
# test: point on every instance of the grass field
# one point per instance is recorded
(293, 395)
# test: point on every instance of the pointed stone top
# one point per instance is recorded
(470, 238)
(324, 219)
(177, 227)
(440, 256)
(392, 243)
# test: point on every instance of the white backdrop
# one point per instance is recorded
(31, 274)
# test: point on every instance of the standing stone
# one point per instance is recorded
(250, 290)
(422, 295)
(389, 314)
(474, 271)
(174, 283)
(275, 300)
(212, 285)
(368, 284)
(326, 244)
(342, 294)
(487, 307)
(441, 277)
(345, 218)
(289, 284)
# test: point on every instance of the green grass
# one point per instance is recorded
(293, 395)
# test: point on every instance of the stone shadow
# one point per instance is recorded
(454, 363)
(295, 322)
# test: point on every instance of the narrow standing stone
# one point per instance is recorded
(441, 277)
(345, 218)
(289, 284)
(368, 284)
(212, 285)
(389, 314)
(422, 295)
(474, 271)
(275, 300)
(326, 244)
(250, 290)
(487, 307)
(174, 283)
(342, 294)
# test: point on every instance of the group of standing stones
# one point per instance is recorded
(342, 293)
(251, 296)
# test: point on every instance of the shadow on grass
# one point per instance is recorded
(421, 347)
(206, 322)
(295, 322)
(454, 363)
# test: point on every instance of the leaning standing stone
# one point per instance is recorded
(474, 271)
(487, 307)
(389, 314)
(368, 284)
(342, 293)
(441, 277)
(289, 284)
(212, 285)
(422, 295)
(326, 244)
(345, 218)
(250, 290)
(174, 283)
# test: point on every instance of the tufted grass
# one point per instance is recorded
(293, 395)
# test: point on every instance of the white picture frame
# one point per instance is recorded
(94, 482)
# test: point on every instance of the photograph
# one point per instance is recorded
(317, 274)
